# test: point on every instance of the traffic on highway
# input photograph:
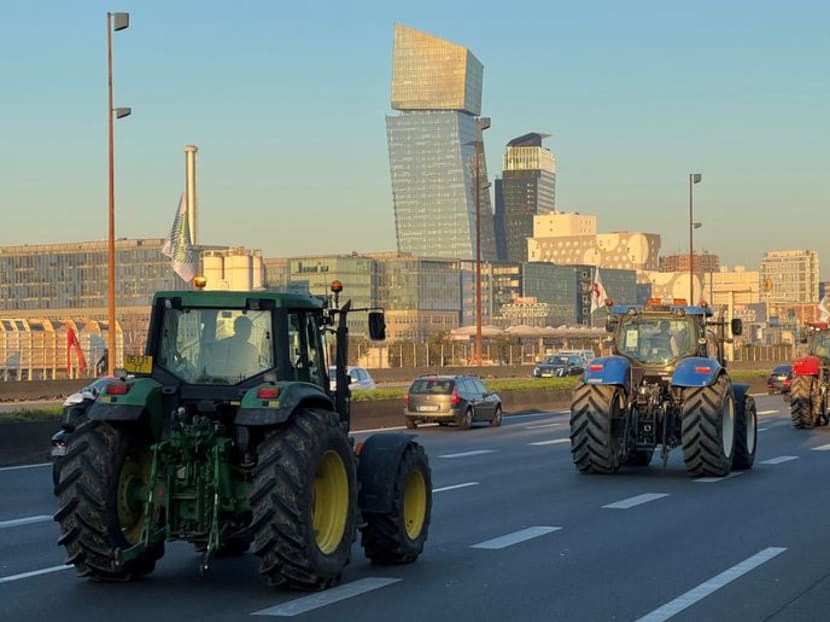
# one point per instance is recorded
(517, 532)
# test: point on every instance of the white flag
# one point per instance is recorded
(824, 311)
(598, 294)
(179, 247)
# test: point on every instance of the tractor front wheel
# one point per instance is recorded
(104, 484)
(304, 502)
(801, 401)
(746, 433)
(398, 536)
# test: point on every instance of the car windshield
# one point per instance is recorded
(782, 370)
(656, 340)
(216, 346)
(557, 360)
(821, 344)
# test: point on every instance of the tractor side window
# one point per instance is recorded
(295, 346)
(315, 350)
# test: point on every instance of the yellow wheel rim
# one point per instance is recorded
(330, 502)
(414, 504)
(132, 493)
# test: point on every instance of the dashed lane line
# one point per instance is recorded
(715, 480)
(17, 522)
(465, 454)
(33, 573)
(763, 429)
(542, 425)
(554, 441)
(822, 448)
(455, 486)
(308, 603)
(631, 502)
(779, 460)
(516, 537)
(703, 590)
(767, 412)
(25, 466)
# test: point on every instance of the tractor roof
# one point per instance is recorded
(662, 309)
(233, 299)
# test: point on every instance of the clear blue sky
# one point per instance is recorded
(286, 102)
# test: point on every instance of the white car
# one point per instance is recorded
(361, 379)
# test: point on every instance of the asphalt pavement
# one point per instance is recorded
(517, 534)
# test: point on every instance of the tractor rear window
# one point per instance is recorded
(216, 346)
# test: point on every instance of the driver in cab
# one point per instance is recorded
(235, 356)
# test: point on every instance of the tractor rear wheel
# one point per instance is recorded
(746, 433)
(594, 447)
(802, 395)
(398, 537)
(304, 502)
(708, 429)
(104, 484)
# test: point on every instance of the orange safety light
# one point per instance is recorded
(609, 302)
(680, 302)
(336, 287)
(199, 282)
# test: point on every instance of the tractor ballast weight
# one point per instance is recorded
(665, 385)
(811, 379)
(226, 435)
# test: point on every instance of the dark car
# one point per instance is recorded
(73, 415)
(461, 400)
(560, 365)
(780, 379)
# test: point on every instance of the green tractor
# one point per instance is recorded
(225, 435)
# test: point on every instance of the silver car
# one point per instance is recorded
(361, 379)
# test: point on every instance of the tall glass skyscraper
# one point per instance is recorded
(528, 189)
(436, 87)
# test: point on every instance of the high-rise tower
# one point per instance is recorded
(527, 189)
(436, 87)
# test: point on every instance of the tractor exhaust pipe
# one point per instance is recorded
(190, 189)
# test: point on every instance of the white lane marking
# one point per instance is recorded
(332, 595)
(822, 448)
(33, 573)
(714, 480)
(455, 486)
(767, 412)
(464, 454)
(24, 521)
(634, 501)
(515, 538)
(25, 466)
(779, 459)
(715, 583)
(542, 425)
(555, 441)
(539, 414)
(762, 429)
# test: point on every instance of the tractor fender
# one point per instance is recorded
(612, 369)
(257, 411)
(807, 366)
(696, 371)
(377, 469)
(143, 394)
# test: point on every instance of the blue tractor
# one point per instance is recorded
(666, 385)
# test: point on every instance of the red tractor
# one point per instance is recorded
(811, 378)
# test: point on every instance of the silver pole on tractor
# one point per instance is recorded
(190, 189)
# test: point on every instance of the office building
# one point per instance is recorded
(790, 277)
(435, 149)
(527, 189)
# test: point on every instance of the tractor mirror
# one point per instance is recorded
(611, 325)
(377, 326)
(737, 326)
(803, 337)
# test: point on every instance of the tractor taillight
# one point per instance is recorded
(703, 370)
(595, 367)
(117, 388)
(268, 393)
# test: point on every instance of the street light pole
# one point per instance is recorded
(483, 124)
(693, 179)
(121, 22)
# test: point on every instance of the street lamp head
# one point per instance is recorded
(696, 177)
(121, 21)
(698, 225)
(120, 113)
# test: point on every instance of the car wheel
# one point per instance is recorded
(411, 424)
(496, 420)
(467, 419)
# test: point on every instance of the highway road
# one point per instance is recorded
(517, 534)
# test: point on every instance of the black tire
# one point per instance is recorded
(411, 424)
(594, 448)
(304, 502)
(96, 514)
(746, 433)
(708, 429)
(465, 422)
(399, 536)
(639, 457)
(497, 417)
(801, 401)
(57, 462)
